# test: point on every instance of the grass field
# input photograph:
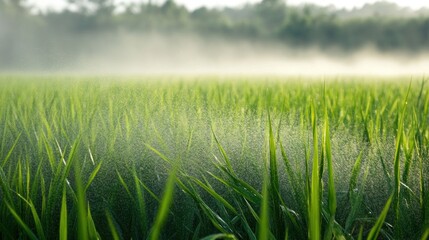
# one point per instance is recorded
(213, 158)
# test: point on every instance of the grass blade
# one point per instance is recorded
(220, 236)
(332, 197)
(275, 198)
(112, 226)
(375, 230)
(92, 176)
(314, 207)
(425, 234)
(63, 217)
(264, 223)
(214, 194)
(5, 160)
(92, 231)
(21, 223)
(164, 207)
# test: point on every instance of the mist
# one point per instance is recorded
(133, 53)
(266, 38)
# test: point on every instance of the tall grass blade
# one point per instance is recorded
(220, 236)
(6, 159)
(222, 150)
(264, 223)
(21, 222)
(112, 226)
(240, 187)
(82, 210)
(360, 236)
(332, 197)
(214, 194)
(375, 230)
(5, 188)
(141, 204)
(314, 207)
(36, 218)
(425, 234)
(355, 174)
(124, 184)
(164, 207)
(92, 176)
(63, 217)
(92, 231)
(275, 198)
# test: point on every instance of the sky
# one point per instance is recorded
(193, 4)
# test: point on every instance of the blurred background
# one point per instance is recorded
(189, 36)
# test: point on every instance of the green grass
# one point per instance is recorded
(213, 158)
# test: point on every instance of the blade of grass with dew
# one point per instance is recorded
(162, 156)
(355, 193)
(36, 218)
(360, 236)
(124, 184)
(5, 188)
(63, 217)
(151, 193)
(384, 166)
(21, 223)
(396, 160)
(408, 144)
(141, 204)
(62, 172)
(239, 186)
(425, 234)
(112, 226)
(220, 236)
(264, 216)
(214, 194)
(218, 222)
(81, 205)
(9, 154)
(314, 207)
(298, 194)
(60, 175)
(375, 230)
(275, 197)
(289, 171)
(225, 156)
(92, 231)
(233, 181)
(92, 176)
(355, 174)
(250, 232)
(332, 197)
(424, 195)
(28, 179)
(164, 207)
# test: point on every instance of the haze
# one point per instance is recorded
(158, 54)
(193, 4)
(265, 38)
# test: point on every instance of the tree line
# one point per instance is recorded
(384, 26)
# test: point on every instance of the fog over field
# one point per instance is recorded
(190, 54)
(266, 37)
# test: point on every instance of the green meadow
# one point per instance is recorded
(213, 157)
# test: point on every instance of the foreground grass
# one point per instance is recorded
(211, 158)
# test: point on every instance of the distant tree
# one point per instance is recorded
(12, 6)
(100, 6)
(271, 15)
(272, 1)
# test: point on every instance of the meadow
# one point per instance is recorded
(85, 157)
